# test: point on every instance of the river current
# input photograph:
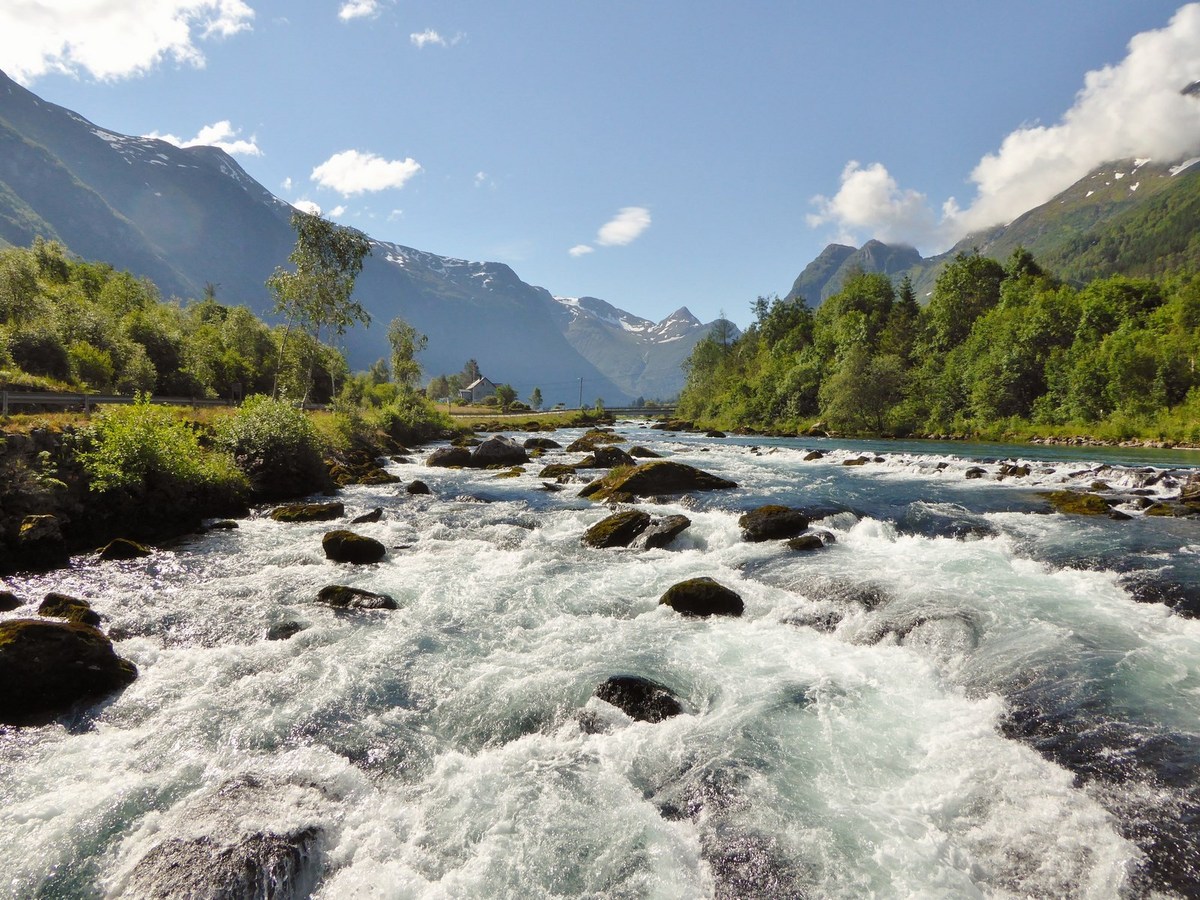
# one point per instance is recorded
(964, 695)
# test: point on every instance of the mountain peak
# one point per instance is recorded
(681, 316)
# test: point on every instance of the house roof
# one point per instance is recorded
(477, 382)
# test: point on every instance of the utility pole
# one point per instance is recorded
(581, 393)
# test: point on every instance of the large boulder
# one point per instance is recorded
(309, 512)
(609, 457)
(343, 597)
(61, 606)
(498, 450)
(772, 522)
(702, 597)
(663, 531)
(49, 667)
(639, 698)
(123, 548)
(346, 546)
(448, 457)
(661, 477)
(617, 530)
(541, 443)
(416, 486)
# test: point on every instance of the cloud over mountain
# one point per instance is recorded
(111, 40)
(219, 134)
(352, 172)
(1135, 108)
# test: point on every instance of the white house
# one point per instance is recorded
(478, 389)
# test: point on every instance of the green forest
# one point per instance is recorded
(999, 351)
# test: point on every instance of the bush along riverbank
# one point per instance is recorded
(153, 473)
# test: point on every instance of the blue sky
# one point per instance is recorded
(653, 154)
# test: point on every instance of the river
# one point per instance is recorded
(958, 697)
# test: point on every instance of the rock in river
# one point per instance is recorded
(344, 597)
(617, 530)
(447, 457)
(658, 477)
(121, 548)
(639, 698)
(663, 531)
(702, 597)
(498, 450)
(346, 546)
(308, 512)
(772, 522)
(60, 606)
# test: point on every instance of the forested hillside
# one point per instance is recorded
(998, 349)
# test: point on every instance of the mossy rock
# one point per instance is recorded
(346, 546)
(663, 531)
(9, 601)
(377, 477)
(514, 472)
(541, 443)
(662, 477)
(702, 597)
(61, 606)
(617, 530)
(1077, 503)
(122, 548)
(639, 698)
(309, 512)
(806, 543)
(643, 452)
(772, 522)
(57, 665)
(449, 457)
(343, 597)
(611, 457)
(556, 470)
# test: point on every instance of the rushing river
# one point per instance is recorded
(959, 697)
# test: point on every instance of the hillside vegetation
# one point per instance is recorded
(1000, 350)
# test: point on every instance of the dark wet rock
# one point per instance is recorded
(1012, 470)
(498, 450)
(812, 455)
(611, 457)
(400, 460)
(281, 631)
(655, 478)
(309, 512)
(373, 516)
(57, 665)
(617, 530)
(975, 472)
(417, 487)
(702, 597)
(378, 476)
(551, 487)
(714, 433)
(556, 470)
(868, 595)
(466, 441)
(9, 601)
(61, 606)
(1189, 491)
(639, 698)
(822, 620)
(772, 522)
(592, 440)
(224, 525)
(1149, 587)
(122, 548)
(449, 457)
(40, 543)
(662, 532)
(644, 453)
(514, 472)
(541, 443)
(255, 866)
(1076, 503)
(344, 597)
(346, 546)
(949, 631)
(747, 865)
(944, 521)
(857, 461)
(806, 543)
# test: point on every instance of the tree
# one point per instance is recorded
(535, 399)
(318, 295)
(470, 372)
(438, 389)
(506, 394)
(406, 343)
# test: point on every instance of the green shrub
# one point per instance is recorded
(411, 419)
(92, 367)
(276, 446)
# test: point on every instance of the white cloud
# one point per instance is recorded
(337, 212)
(307, 206)
(220, 134)
(395, 214)
(287, 183)
(424, 38)
(624, 228)
(351, 172)
(581, 250)
(1132, 109)
(358, 9)
(111, 40)
(481, 178)
(870, 200)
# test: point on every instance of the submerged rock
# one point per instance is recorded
(281, 631)
(344, 597)
(121, 548)
(772, 522)
(1076, 503)
(639, 698)
(702, 597)
(658, 477)
(346, 546)
(373, 516)
(663, 531)
(61, 606)
(617, 530)
(57, 665)
(309, 512)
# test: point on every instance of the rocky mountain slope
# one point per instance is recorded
(190, 217)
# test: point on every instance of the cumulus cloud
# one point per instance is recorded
(307, 206)
(1135, 108)
(337, 212)
(358, 9)
(219, 134)
(624, 228)
(111, 40)
(581, 250)
(287, 183)
(351, 172)
(422, 39)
